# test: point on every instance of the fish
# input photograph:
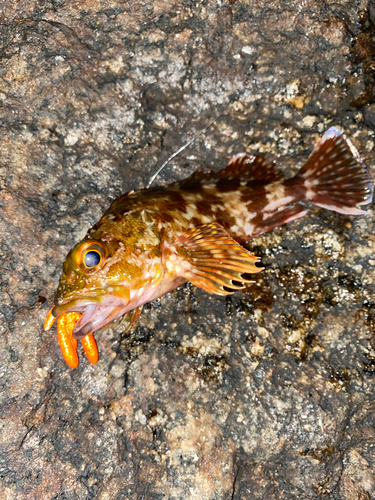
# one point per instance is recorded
(151, 241)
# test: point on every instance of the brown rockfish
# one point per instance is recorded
(151, 241)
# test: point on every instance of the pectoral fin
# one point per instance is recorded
(209, 258)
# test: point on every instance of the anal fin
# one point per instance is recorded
(209, 258)
(278, 218)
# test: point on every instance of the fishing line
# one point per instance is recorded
(181, 149)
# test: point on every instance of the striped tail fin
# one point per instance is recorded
(334, 176)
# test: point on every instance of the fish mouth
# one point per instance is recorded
(96, 311)
(95, 317)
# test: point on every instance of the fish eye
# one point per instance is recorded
(89, 255)
(92, 258)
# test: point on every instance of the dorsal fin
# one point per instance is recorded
(196, 179)
(242, 166)
(250, 168)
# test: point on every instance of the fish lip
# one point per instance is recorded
(77, 305)
(100, 296)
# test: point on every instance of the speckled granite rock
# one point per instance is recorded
(267, 394)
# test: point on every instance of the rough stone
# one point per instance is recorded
(266, 394)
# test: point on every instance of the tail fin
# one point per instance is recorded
(335, 177)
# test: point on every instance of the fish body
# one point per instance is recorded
(151, 241)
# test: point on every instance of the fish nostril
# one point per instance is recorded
(71, 278)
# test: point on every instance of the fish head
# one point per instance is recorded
(114, 269)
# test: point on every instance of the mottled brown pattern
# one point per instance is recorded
(297, 190)
(195, 221)
(167, 215)
(204, 207)
(226, 219)
(225, 185)
(253, 199)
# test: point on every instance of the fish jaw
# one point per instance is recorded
(100, 308)
(95, 317)
(99, 313)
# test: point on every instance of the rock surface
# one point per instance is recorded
(267, 394)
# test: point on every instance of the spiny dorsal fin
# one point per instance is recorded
(212, 260)
(196, 179)
(250, 168)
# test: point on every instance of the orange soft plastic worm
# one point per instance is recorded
(68, 345)
(50, 319)
(90, 348)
